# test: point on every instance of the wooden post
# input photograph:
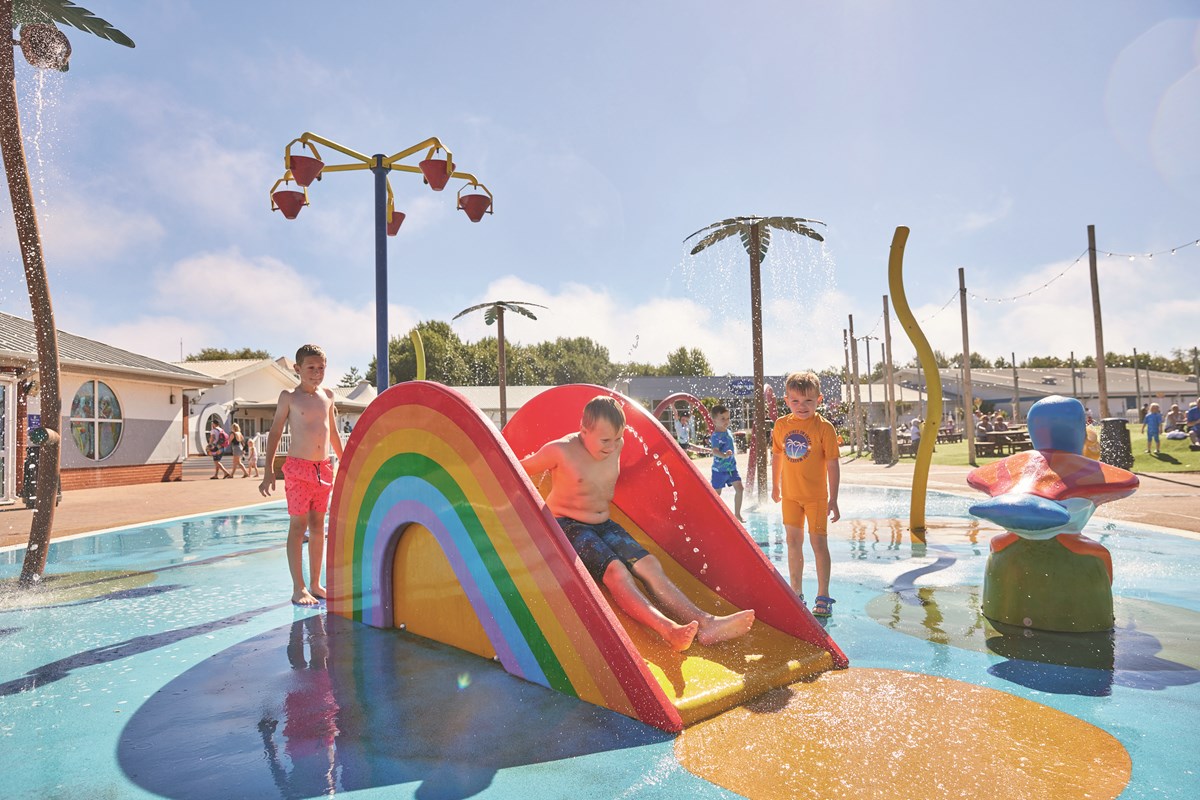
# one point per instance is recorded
(890, 372)
(968, 400)
(1074, 387)
(1101, 377)
(858, 427)
(1016, 392)
(849, 388)
(1137, 383)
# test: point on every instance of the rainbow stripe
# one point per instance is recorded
(422, 454)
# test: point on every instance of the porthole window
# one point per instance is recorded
(96, 420)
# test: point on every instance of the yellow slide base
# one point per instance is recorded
(704, 681)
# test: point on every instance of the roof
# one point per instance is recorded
(18, 342)
(235, 368)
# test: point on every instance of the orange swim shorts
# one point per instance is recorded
(815, 512)
(307, 485)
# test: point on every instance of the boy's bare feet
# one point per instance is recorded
(680, 638)
(739, 519)
(722, 629)
(319, 592)
(302, 597)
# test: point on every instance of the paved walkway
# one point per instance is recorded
(1169, 501)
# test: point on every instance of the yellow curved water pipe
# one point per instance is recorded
(933, 383)
(419, 349)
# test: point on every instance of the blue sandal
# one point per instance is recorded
(823, 606)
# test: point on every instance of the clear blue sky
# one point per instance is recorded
(609, 132)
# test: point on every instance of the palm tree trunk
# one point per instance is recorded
(25, 217)
(500, 365)
(760, 409)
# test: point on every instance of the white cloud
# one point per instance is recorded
(236, 301)
(648, 330)
(79, 232)
(977, 220)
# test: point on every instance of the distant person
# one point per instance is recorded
(683, 428)
(984, 425)
(724, 465)
(585, 467)
(1142, 412)
(914, 431)
(805, 474)
(217, 442)
(308, 412)
(1151, 424)
(252, 455)
(998, 422)
(1192, 422)
(237, 447)
(1174, 419)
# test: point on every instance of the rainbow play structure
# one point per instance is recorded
(436, 528)
(1044, 573)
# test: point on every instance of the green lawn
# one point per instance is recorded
(1176, 455)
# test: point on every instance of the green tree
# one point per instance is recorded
(575, 360)
(446, 357)
(690, 363)
(977, 361)
(44, 47)
(222, 354)
(351, 378)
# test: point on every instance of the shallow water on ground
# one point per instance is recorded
(165, 661)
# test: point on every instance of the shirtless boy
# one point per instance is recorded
(585, 467)
(307, 411)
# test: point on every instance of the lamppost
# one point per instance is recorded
(436, 172)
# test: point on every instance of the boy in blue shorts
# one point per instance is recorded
(724, 465)
(585, 467)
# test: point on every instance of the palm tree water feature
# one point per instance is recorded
(494, 313)
(755, 234)
(44, 47)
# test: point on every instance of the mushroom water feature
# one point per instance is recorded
(1043, 573)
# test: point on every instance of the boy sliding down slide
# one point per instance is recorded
(585, 467)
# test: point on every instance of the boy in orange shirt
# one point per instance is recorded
(805, 474)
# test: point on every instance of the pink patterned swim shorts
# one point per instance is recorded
(307, 485)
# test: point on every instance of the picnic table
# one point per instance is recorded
(1009, 441)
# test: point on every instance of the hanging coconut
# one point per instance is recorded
(45, 46)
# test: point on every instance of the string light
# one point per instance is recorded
(953, 297)
(1045, 285)
(1132, 256)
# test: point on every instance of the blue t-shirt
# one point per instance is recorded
(1193, 416)
(722, 441)
(1153, 423)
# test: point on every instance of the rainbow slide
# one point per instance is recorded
(436, 528)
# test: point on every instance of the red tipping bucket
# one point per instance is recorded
(436, 172)
(289, 202)
(306, 169)
(393, 227)
(475, 205)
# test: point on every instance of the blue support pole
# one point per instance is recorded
(382, 372)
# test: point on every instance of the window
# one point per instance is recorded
(96, 420)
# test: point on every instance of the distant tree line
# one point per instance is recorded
(450, 360)
(1182, 361)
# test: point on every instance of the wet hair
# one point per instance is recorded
(719, 408)
(804, 382)
(603, 407)
(307, 350)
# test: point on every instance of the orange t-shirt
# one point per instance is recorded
(804, 445)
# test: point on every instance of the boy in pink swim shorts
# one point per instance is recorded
(308, 412)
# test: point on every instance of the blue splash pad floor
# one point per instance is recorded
(165, 661)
